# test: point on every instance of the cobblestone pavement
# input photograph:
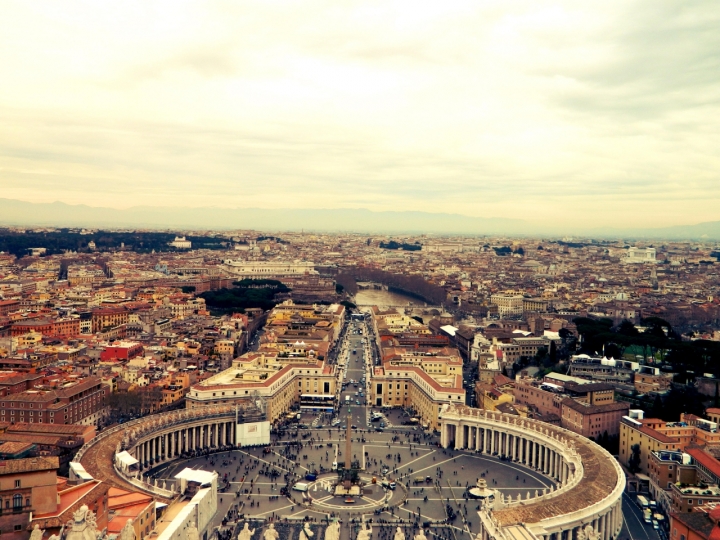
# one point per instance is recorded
(406, 455)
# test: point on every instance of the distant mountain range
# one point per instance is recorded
(13, 212)
(57, 214)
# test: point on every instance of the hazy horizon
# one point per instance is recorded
(343, 220)
(557, 113)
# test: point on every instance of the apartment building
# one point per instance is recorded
(656, 435)
(8, 306)
(701, 524)
(508, 304)
(62, 327)
(423, 380)
(582, 406)
(27, 486)
(78, 401)
(268, 269)
(103, 318)
(279, 382)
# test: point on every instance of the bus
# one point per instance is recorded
(317, 402)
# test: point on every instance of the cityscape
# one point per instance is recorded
(359, 270)
(167, 385)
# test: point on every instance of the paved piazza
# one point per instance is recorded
(252, 479)
(406, 457)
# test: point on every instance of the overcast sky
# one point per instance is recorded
(595, 112)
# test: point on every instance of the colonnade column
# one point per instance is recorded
(532, 454)
(606, 526)
(528, 450)
(485, 441)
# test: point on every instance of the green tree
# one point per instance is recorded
(613, 351)
(626, 328)
(553, 353)
(657, 408)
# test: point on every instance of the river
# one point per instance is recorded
(381, 298)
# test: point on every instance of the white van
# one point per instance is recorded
(301, 486)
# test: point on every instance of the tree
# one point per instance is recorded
(613, 351)
(634, 461)
(567, 343)
(626, 328)
(187, 289)
(553, 353)
(657, 408)
(541, 358)
(682, 399)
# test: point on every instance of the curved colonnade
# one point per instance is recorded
(155, 440)
(590, 481)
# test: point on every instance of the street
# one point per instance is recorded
(634, 528)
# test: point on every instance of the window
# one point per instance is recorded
(17, 501)
(17, 483)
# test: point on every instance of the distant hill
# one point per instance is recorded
(14, 212)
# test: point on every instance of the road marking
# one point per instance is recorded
(526, 471)
(435, 464)
(417, 459)
(276, 510)
(632, 511)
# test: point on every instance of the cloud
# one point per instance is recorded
(556, 110)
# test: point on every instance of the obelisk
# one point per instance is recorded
(348, 446)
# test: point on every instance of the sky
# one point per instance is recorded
(556, 112)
